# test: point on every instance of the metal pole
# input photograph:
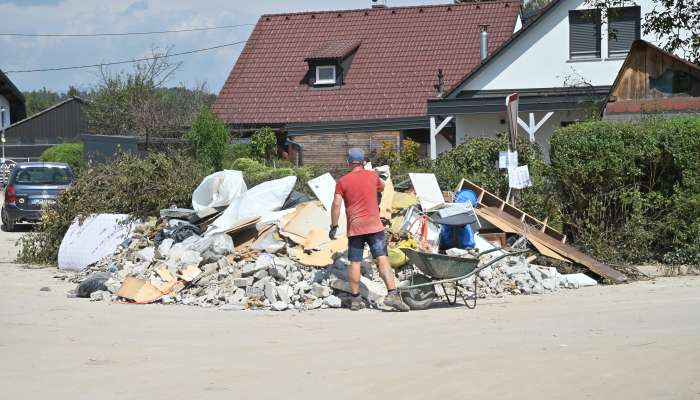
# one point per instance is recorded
(2, 122)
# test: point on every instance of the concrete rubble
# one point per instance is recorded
(231, 268)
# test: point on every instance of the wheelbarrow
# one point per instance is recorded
(439, 269)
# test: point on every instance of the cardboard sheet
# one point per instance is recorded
(385, 206)
(139, 291)
(427, 190)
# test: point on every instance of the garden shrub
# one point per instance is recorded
(630, 192)
(129, 185)
(69, 153)
(209, 137)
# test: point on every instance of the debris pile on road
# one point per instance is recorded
(268, 248)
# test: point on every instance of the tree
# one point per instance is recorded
(138, 103)
(264, 144)
(209, 137)
(675, 23)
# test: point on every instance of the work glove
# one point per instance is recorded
(331, 233)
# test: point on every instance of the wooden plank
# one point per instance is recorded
(491, 200)
(562, 249)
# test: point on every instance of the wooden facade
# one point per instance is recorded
(330, 150)
(649, 73)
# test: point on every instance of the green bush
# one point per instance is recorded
(129, 185)
(254, 173)
(263, 145)
(477, 160)
(630, 191)
(209, 137)
(69, 153)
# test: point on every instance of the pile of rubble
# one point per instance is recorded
(206, 272)
(264, 251)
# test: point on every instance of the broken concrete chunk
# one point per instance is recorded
(284, 292)
(270, 292)
(260, 274)
(279, 306)
(319, 290)
(189, 272)
(243, 282)
(369, 289)
(332, 301)
(178, 213)
(278, 273)
(254, 293)
(519, 268)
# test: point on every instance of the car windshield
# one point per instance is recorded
(43, 176)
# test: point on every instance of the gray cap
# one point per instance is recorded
(356, 155)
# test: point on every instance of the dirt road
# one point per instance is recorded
(637, 341)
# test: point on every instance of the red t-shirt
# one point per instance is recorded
(359, 190)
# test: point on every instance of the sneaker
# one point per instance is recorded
(394, 300)
(356, 303)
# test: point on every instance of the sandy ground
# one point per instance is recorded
(636, 341)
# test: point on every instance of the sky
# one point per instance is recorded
(116, 16)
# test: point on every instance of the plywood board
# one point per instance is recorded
(385, 206)
(560, 248)
(324, 256)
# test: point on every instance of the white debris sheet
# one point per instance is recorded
(218, 189)
(427, 190)
(256, 202)
(98, 236)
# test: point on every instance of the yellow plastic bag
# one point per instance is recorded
(397, 258)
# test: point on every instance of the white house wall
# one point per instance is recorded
(480, 125)
(540, 58)
(6, 104)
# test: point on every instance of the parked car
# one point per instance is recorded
(32, 185)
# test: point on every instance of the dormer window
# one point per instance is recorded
(325, 75)
(329, 64)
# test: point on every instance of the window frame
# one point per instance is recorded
(320, 81)
(637, 30)
(597, 21)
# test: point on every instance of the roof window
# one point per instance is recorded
(325, 75)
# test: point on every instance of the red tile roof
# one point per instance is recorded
(334, 50)
(654, 105)
(392, 73)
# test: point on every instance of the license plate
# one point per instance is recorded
(37, 202)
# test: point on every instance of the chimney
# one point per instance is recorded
(440, 87)
(484, 41)
(378, 3)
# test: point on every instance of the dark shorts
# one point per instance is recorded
(376, 242)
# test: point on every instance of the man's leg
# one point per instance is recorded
(377, 244)
(356, 246)
(354, 276)
(386, 272)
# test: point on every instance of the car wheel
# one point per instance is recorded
(8, 224)
(422, 297)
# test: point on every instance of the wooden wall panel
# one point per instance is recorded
(329, 151)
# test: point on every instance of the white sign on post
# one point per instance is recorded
(519, 177)
(507, 159)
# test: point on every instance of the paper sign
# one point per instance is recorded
(519, 177)
(507, 159)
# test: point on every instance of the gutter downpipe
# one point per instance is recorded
(300, 153)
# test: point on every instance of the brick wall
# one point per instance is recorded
(330, 151)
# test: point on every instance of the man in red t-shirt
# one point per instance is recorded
(358, 189)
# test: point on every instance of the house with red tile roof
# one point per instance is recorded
(327, 81)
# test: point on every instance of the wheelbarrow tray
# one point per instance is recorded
(440, 266)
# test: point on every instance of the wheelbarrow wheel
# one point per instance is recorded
(422, 297)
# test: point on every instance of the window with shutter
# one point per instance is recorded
(623, 29)
(584, 34)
